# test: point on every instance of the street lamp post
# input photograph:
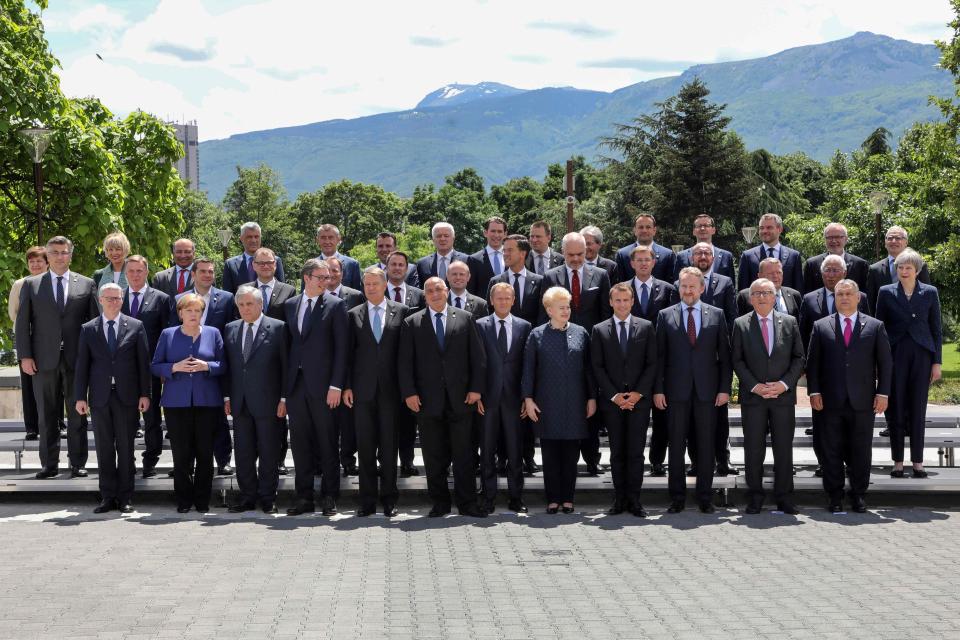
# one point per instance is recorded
(879, 200)
(38, 139)
(225, 235)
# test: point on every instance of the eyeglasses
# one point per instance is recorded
(896, 238)
(58, 253)
(762, 294)
(320, 278)
(264, 263)
(836, 237)
(111, 298)
(700, 227)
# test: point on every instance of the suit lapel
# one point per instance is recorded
(259, 337)
(101, 337)
(121, 329)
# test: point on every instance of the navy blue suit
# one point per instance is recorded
(814, 306)
(662, 269)
(351, 270)
(236, 272)
(722, 262)
(789, 258)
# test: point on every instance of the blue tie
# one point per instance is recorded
(61, 298)
(377, 325)
(644, 298)
(893, 270)
(111, 336)
(497, 267)
(135, 306)
(250, 272)
(440, 335)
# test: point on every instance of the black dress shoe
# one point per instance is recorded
(301, 508)
(472, 511)
(638, 511)
(488, 506)
(885, 433)
(896, 473)
(530, 467)
(818, 472)
(63, 433)
(808, 431)
(183, 509)
(407, 470)
(329, 507)
(202, 508)
(282, 470)
(438, 511)
(593, 470)
(658, 471)
(170, 473)
(675, 507)
(105, 506)
(835, 508)
(363, 512)
(269, 507)
(225, 470)
(32, 436)
(149, 473)
(44, 474)
(567, 510)
(728, 470)
(707, 507)
(351, 471)
(692, 472)
(517, 506)
(753, 509)
(138, 434)
(859, 505)
(241, 507)
(788, 508)
(919, 473)
(553, 510)
(619, 506)
(78, 472)
(390, 510)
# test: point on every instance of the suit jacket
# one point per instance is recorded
(608, 265)
(235, 272)
(319, 352)
(504, 370)
(555, 260)
(856, 270)
(412, 279)
(441, 378)
(351, 296)
(814, 307)
(259, 382)
(753, 365)
(790, 259)
(662, 269)
(476, 305)
(427, 266)
(617, 373)
(413, 299)
(373, 365)
(481, 271)
(722, 262)
(41, 328)
(280, 293)
(104, 275)
(166, 281)
(661, 296)
(594, 295)
(719, 292)
(917, 318)
(528, 307)
(153, 312)
(220, 310)
(853, 374)
(791, 298)
(188, 389)
(128, 366)
(878, 275)
(351, 270)
(700, 372)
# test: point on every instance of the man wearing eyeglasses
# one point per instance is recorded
(704, 229)
(835, 239)
(883, 272)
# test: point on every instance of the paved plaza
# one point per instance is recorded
(891, 573)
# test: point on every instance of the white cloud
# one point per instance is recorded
(99, 16)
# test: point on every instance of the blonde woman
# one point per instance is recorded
(116, 247)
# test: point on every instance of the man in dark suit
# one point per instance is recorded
(317, 372)
(441, 369)
(541, 257)
(593, 237)
(487, 263)
(849, 373)
(387, 244)
(788, 300)
(704, 230)
(179, 277)
(219, 310)
(770, 228)
(590, 288)
(504, 337)
(459, 277)
(53, 307)
(436, 263)
(645, 229)
(835, 239)
(328, 239)
(883, 272)
(152, 308)
(650, 297)
(623, 350)
(373, 391)
(768, 359)
(352, 297)
(255, 347)
(114, 367)
(694, 374)
(242, 269)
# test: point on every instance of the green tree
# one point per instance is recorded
(515, 200)
(467, 179)
(877, 142)
(463, 207)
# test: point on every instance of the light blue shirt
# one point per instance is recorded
(698, 312)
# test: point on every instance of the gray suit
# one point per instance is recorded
(51, 338)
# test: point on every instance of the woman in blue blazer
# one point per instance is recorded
(911, 312)
(190, 360)
(116, 247)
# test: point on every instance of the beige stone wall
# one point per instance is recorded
(10, 406)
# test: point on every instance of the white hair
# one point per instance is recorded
(442, 225)
(247, 290)
(249, 226)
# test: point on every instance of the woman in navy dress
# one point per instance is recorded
(559, 395)
(911, 312)
(190, 360)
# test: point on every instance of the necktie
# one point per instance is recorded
(781, 305)
(644, 298)
(396, 295)
(575, 289)
(135, 305)
(456, 302)
(111, 336)
(847, 332)
(265, 291)
(497, 266)
(516, 290)
(540, 268)
(623, 336)
(502, 337)
(893, 271)
(440, 335)
(769, 252)
(250, 272)
(377, 325)
(691, 327)
(442, 267)
(829, 303)
(306, 314)
(181, 282)
(248, 342)
(766, 334)
(61, 297)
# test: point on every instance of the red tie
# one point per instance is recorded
(396, 294)
(847, 332)
(691, 327)
(575, 289)
(181, 283)
(766, 334)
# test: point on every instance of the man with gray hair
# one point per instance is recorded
(328, 239)
(435, 264)
(883, 272)
(835, 239)
(240, 269)
(770, 228)
(593, 237)
(255, 347)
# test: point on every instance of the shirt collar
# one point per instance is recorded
(853, 318)
(256, 323)
(105, 319)
(382, 306)
(433, 314)
(141, 291)
(497, 319)
(648, 281)
(769, 316)
(522, 273)
(490, 250)
(271, 284)
(775, 247)
(54, 276)
(696, 305)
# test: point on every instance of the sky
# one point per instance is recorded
(246, 65)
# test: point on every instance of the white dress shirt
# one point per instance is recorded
(523, 280)
(462, 297)
(490, 251)
(443, 319)
(776, 251)
(66, 284)
(303, 309)
(508, 327)
(269, 285)
(579, 275)
(243, 331)
(383, 312)
(403, 291)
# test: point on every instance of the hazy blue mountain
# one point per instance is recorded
(815, 99)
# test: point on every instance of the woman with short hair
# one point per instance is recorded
(116, 247)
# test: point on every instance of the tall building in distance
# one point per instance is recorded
(189, 165)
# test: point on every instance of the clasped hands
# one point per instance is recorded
(769, 390)
(190, 365)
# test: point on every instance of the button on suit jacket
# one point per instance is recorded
(700, 372)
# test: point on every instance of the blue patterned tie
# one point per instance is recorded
(497, 266)
(644, 298)
(111, 336)
(440, 336)
(377, 325)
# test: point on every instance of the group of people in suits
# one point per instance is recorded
(513, 343)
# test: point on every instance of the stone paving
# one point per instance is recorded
(891, 573)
